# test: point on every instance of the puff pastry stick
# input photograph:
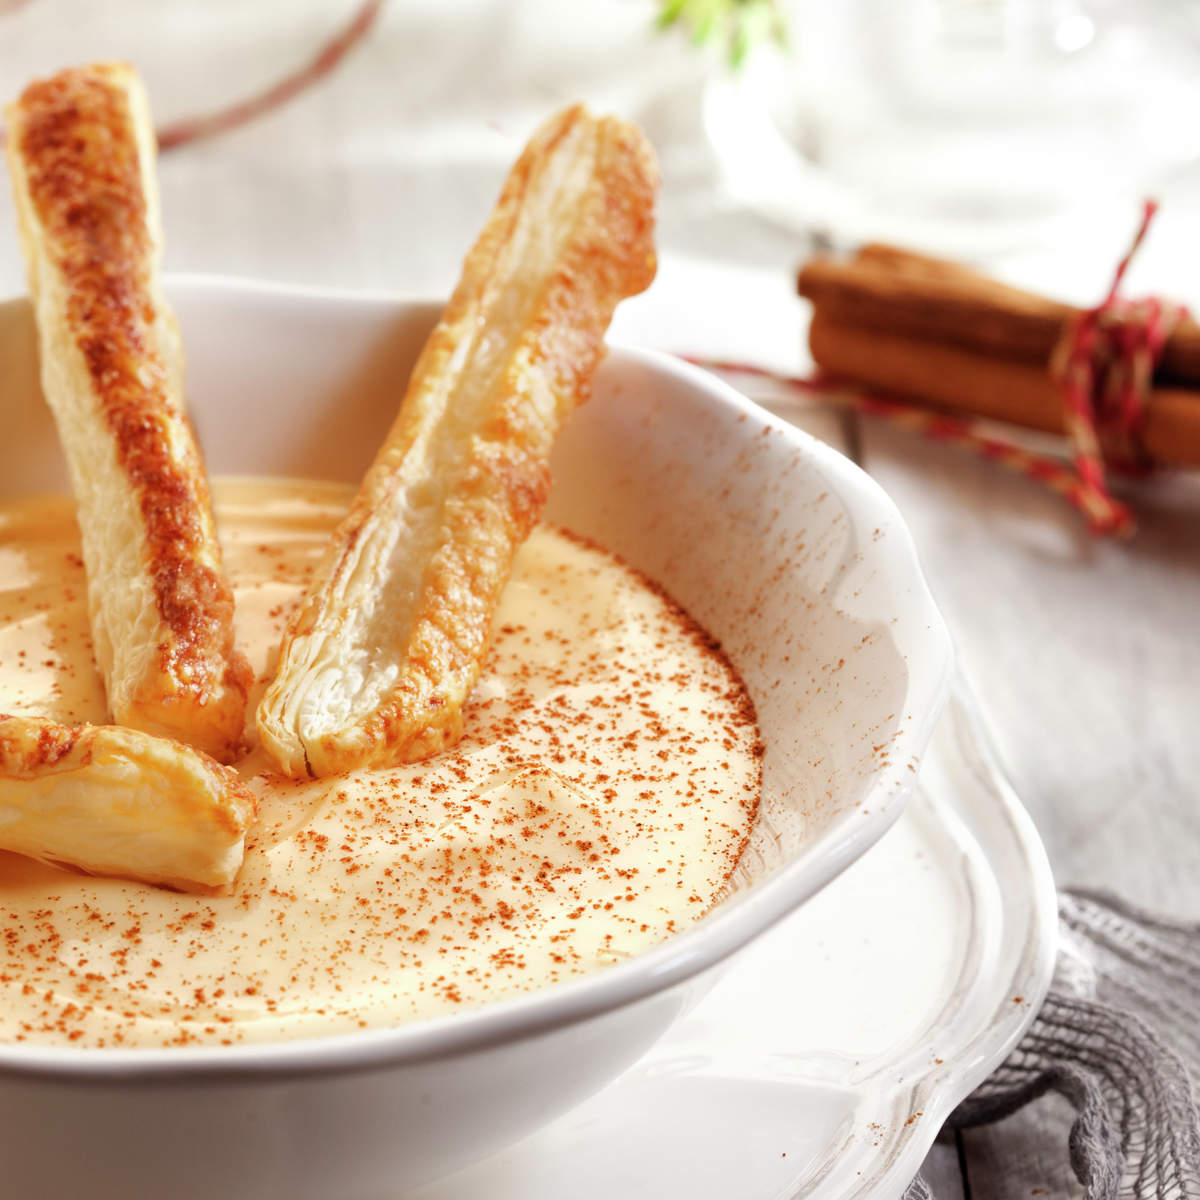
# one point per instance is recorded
(114, 801)
(379, 659)
(81, 151)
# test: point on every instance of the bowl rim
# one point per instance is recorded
(698, 949)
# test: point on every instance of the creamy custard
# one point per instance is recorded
(597, 803)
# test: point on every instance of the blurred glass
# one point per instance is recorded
(966, 126)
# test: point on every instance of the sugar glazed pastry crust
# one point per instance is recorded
(114, 801)
(81, 152)
(379, 659)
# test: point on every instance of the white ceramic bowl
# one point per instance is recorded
(782, 548)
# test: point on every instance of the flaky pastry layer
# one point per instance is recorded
(81, 152)
(120, 802)
(378, 661)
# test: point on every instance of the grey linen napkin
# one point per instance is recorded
(1119, 1037)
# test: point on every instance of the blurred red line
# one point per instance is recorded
(192, 129)
(330, 54)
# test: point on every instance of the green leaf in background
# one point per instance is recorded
(737, 25)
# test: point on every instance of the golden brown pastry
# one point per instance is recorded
(381, 655)
(120, 802)
(81, 151)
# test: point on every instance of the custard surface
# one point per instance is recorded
(602, 793)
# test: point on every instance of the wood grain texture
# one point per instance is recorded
(1022, 1156)
(942, 1172)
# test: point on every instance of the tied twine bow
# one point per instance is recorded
(1104, 363)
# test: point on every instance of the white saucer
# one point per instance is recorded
(823, 1063)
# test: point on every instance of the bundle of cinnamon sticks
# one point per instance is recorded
(940, 334)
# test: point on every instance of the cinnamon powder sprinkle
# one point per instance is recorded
(603, 791)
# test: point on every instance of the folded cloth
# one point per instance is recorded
(1119, 1037)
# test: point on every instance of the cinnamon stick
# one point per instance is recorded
(958, 380)
(895, 291)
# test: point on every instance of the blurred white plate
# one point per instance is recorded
(880, 128)
(826, 1060)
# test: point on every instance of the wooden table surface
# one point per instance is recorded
(1084, 654)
